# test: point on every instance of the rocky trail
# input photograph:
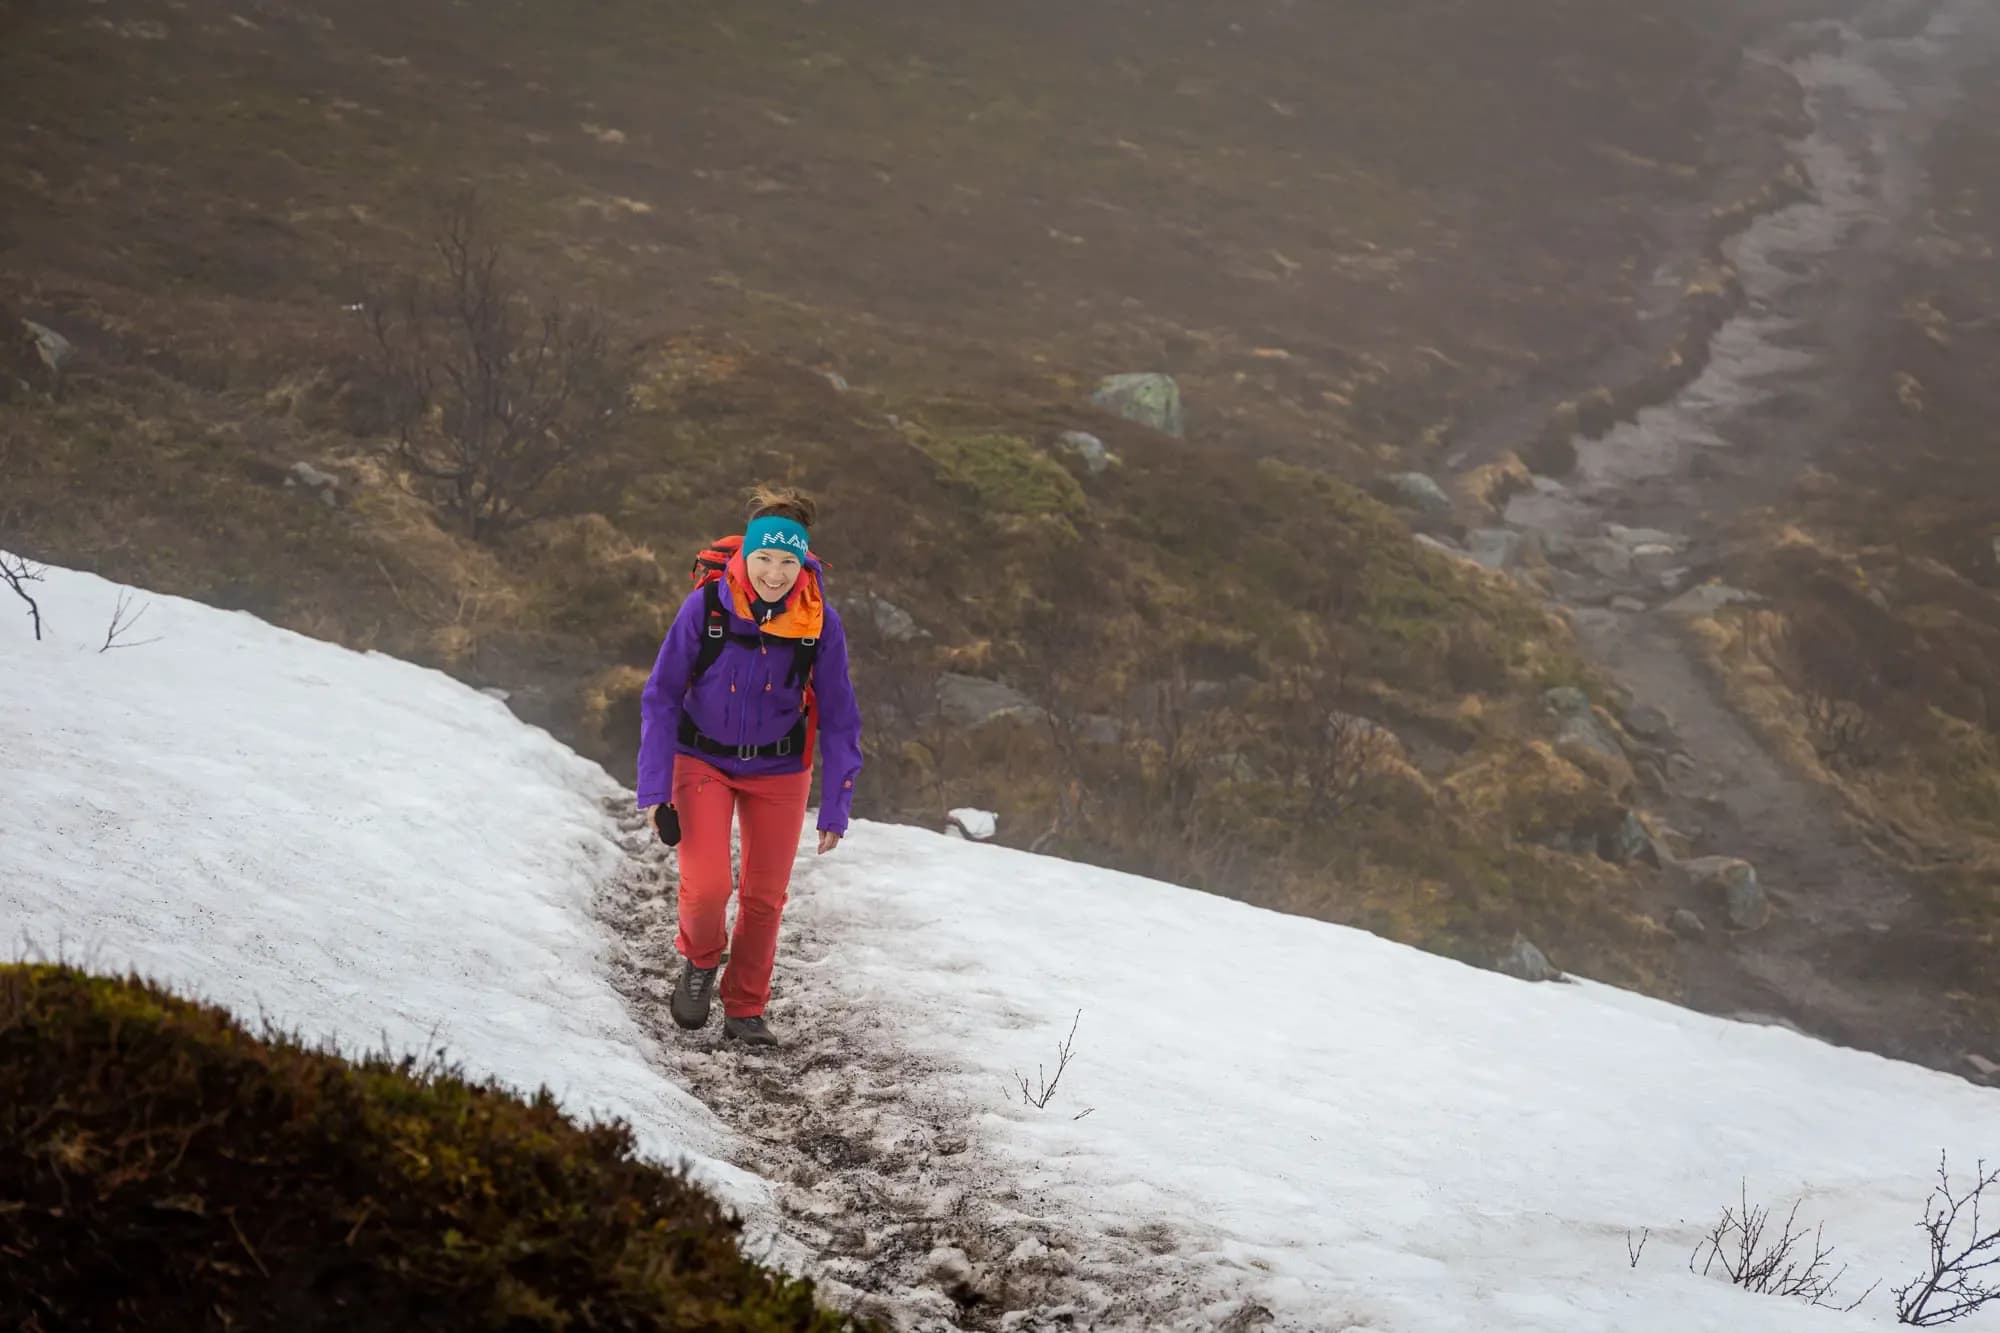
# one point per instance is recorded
(884, 1190)
(1630, 532)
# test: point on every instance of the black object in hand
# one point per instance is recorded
(668, 824)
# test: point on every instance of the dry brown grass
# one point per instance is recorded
(1884, 562)
(1338, 225)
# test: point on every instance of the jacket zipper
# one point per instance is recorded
(743, 705)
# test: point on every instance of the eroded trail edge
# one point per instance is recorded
(883, 1186)
(1631, 532)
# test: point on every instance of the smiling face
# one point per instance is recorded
(772, 573)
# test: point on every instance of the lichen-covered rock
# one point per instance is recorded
(1734, 880)
(1087, 447)
(55, 350)
(1647, 721)
(1525, 961)
(892, 622)
(323, 486)
(1413, 490)
(1148, 398)
(1495, 548)
(972, 701)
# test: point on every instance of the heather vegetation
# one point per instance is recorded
(1875, 662)
(887, 255)
(160, 1164)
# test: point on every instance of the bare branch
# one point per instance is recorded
(1338, 765)
(483, 396)
(1964, 1267)
(1777, 1267)
(17, 572)
(1044, 1090)
(122, 623)
(1633, 1251)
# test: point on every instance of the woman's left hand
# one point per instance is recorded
(827, 841)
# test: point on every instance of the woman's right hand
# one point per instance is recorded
(666, 822)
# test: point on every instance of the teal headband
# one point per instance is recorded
(776, 534)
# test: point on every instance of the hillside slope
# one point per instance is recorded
(1343, 228)
(1279, 1122)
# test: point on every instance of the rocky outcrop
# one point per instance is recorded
(321, 486)
(1734, 881)
(1150, 399)
(892, 622)
(1495, 548)
(1525, 961)
(1413, 490)
(1586, 740)
(1088, 448)
(973, 701)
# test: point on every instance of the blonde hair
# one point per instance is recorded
(783, 502)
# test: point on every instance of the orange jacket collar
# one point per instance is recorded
(804, 615)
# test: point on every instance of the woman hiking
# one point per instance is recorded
(754, 666)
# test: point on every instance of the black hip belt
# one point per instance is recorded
(792, 742)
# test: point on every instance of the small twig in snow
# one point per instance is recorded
(1040, 1095)
(121, 624)
(1632, 1251)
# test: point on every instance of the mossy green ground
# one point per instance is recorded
(161, 1166)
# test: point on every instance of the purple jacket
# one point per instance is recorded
(758, 710)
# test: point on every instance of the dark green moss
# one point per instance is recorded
(162, 1167)
(1005, 474)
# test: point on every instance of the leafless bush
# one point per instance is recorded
(1839, 689)
(1044, 1091)
(123, 618)
(1190, 746)
(17, 572)
(1058, 663)
(1774, 1266)
(1337, 764)
(1842, 730)
(1060, 666)
(1069, 814)
(1633, 1249)
(1964, 1264)
(1185, 734)
(486, 396)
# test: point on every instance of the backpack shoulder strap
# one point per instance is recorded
(714, 629)
(804, 653)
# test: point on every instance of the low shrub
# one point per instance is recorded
(161, 1166)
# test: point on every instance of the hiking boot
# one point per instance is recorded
(751, 1031)
(693, 993)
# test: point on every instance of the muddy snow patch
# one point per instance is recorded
(891, 1198)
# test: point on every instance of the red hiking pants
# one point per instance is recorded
(772, 811)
